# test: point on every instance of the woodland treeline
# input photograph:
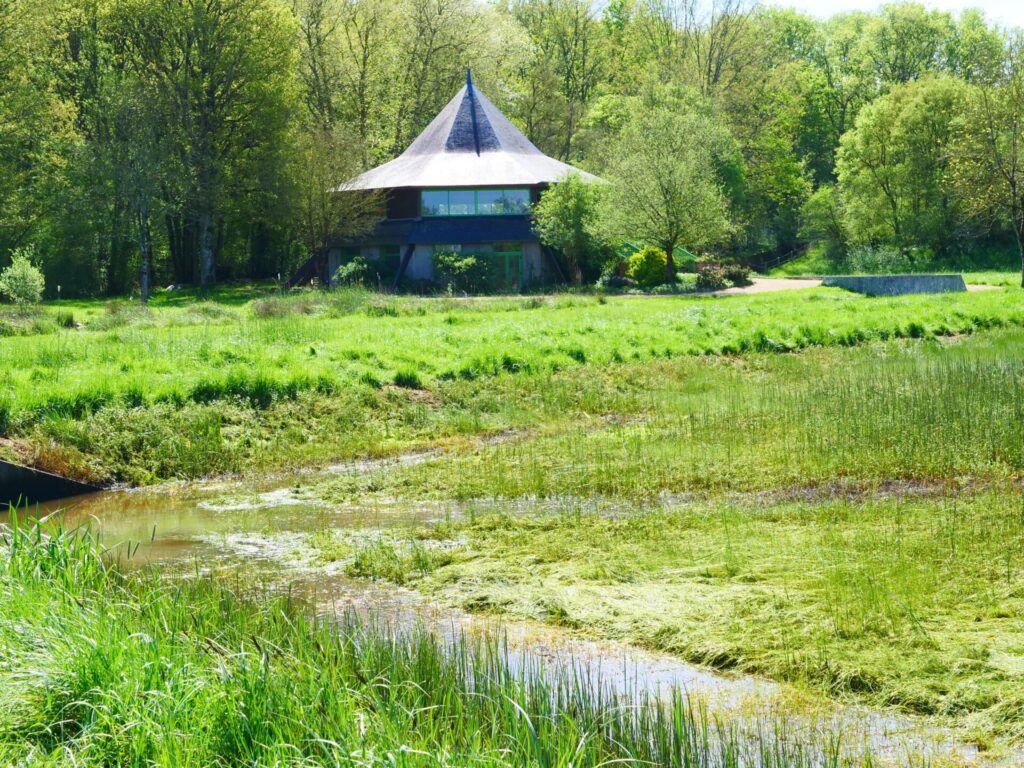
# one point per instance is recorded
(200, 137)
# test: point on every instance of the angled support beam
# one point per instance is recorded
(553, 258)
(406, 258)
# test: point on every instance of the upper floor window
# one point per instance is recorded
(474, 202)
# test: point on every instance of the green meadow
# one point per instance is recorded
(813, 486)
(265, 381)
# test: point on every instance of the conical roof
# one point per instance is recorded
(469, 144)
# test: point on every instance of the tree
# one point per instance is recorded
(225, 71)
(823, 220)
(324, 213)
(567, 65)
(664, 186)
(894, 167)
(990, 160)
(567, 218)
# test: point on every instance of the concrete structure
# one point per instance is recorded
(897, 285)
(23, 485)
(466, 184)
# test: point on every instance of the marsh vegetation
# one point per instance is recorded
(814, 487)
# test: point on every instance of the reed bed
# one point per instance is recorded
(940, 415)
(103, 666)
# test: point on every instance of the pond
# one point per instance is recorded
(264, 530)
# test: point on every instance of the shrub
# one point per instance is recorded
(66, 318)
(352, 273)
(22, 282)
(282, 306)
(647, 267)
(711, 279)
(737, 274)
(467, 273)
(882, 259)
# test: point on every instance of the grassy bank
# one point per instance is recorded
(105, 668)
(256, 382)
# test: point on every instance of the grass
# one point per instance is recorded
(229, 377)
(103, 667)
(908, 603)
(862, 503)
(938, 413)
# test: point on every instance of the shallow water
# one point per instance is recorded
(265, 529)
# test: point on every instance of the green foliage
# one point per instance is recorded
(567, 218)
(737, 274)
(894, 169)
(21, 281)
(665, 185)
(868, 259)
(464, 272)
(823, 221)
(711, 279)
(353, 272)
(647, 267)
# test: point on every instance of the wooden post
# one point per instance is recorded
(406, 258)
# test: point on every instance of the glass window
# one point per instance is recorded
(516, 200)
(480, 202)
(489, 202)
(435, 202)
(461, 202)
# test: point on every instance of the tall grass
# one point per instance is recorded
(103, 667)
(932, 413)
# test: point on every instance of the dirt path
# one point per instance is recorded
(770, 285)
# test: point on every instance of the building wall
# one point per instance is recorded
(534, 267)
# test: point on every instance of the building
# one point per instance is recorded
(465, 184)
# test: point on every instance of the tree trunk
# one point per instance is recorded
(142, 223)
(206, 275)
(670, 263)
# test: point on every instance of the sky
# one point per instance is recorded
(1004, 12)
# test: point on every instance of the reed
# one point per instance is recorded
(108, 667)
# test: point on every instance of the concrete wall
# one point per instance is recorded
(897, 285)
(23, 485)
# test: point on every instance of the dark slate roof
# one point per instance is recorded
(469, 144)
(454, 229)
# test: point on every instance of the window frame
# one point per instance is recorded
(476, 202)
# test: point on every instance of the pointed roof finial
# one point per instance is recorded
(469, 80)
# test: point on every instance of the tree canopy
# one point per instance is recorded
(187, 141)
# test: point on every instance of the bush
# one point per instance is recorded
(22, 282)
(711, 279)
(882, 259)
(648, 267)
(464, 273)
(738, 275)
(352, 273)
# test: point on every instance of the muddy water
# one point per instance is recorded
(265, 529)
